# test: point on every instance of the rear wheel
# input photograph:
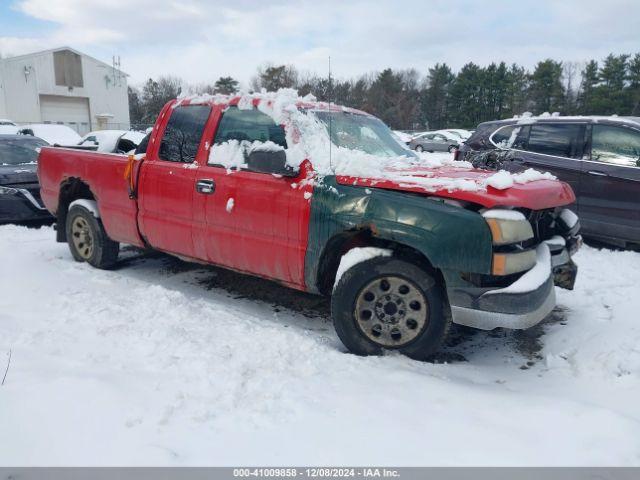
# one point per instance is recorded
(389, 304)
(451, 148)
(87, 239)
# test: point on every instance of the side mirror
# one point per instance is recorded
(270, 161)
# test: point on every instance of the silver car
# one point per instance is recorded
(433, 142)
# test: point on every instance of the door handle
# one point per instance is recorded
(597, 173)
(205, 186)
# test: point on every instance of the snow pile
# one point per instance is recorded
(358, 255)
(169, 363)
(602, 337)
(533, 278)
(232, 154)
(230, 204)
(504, 214)
(503, 179)
(568, 217)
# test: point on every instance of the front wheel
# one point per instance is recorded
(389, 304)
(419, 148)
(88, 240)
(451, 148)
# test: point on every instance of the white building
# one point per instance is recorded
(63, 86)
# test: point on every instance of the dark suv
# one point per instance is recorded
(598, 156)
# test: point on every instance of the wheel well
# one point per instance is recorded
(70, 190)
(338, 245)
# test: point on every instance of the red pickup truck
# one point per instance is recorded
(324, 199)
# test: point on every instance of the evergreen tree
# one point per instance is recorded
(633, 90)
(466, 97)
(273, 78)
(383, 96)
(546, 91)
(435, 96)
(136, 109)
(226, 85)
(610, 93)
(517, 86)
(587, 96)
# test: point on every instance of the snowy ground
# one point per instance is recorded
(166, 363)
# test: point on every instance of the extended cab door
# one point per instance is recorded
(555, 147)
(251, 221)
(610, 196)
(167, 178)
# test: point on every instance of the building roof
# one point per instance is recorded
(58, 49)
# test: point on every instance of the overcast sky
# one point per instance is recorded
(201, 40)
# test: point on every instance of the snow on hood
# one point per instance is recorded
(307, 138)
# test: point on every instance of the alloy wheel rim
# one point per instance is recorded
(82, 237)
(391, 311)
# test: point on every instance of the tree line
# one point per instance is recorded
(407, 100)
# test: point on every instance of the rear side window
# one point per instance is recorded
(182, 136)
(249, 125)
(615, 145)
(558, 139)
(480, 138)
(505, 136)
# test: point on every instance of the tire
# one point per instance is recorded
(451, 148)
(419, 148)
(88, 240)
(362, 286)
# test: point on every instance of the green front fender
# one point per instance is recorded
(451, 238)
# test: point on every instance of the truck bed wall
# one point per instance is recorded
(104, 174)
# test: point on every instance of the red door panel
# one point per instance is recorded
(255, 223)
(166, 206)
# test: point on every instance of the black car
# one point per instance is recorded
(19, 187)
(598, 156)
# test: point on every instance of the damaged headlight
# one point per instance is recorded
(507, 226)
(508, 263)
(8, 191)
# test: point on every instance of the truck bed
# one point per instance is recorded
(103, 173)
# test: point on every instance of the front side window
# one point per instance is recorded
(182, 136)
(249, 125)
(615, 145)
(558, 139)
(242, 132)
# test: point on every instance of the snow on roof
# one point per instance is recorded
(8, 129)
(107, 140)
(52, 133)
(527, 118)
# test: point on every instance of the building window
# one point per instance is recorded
(67, 66)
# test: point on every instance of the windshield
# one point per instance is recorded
(19, 151)
(361, 132)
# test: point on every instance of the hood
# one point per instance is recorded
(15, 174)
(471, 185)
